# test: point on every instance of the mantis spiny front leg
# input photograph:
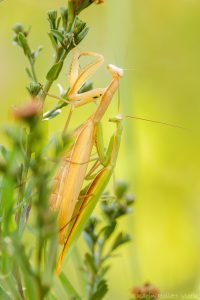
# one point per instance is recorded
(77, 78)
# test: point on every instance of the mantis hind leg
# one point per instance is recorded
(104, 156)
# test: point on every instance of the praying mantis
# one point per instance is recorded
(69, 198)
(73, 208)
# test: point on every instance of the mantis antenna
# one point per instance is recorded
(155, 121)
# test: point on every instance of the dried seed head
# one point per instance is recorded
(146, 290)
(28, 111)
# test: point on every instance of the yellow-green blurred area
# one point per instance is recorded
(157, 42)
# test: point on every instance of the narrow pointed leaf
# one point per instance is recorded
(54, 71)
(70, 290)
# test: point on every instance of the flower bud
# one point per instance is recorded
(28, 111)
(18, 27)
(52, 17)
(34, 88)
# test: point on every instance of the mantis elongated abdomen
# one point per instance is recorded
(85, 207)
(74, 176)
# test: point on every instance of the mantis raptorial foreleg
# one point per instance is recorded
(93, 192)
(77, 78)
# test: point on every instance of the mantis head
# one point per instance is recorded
(116, 71)
(116, 119)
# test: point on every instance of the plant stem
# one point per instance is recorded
(98, 261)
(33, 70)
(24, 177)
(18, 280)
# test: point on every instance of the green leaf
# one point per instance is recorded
(89, 261)
(53, 41)
(51, 114)
(58, 35)
(81, 35)
(88, 239)
(103, 271)
(121, 239)
(26, 274)
(4, 294)
(109, 229)
(8, 188)
(88, 86)
(29, 73)
(4, 152)
(64, 15)
(58, 23)
(24, 44)
(102, 289)
(37, 51)
(50, 263)
(51, 297)
(10, 282)
(54, 71)
(120, 188)
(70, 290)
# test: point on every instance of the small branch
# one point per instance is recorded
(32, 64)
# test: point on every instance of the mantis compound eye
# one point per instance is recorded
(116, 71)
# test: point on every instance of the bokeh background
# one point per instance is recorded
(158, 44)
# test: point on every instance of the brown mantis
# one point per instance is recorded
(74, 208)
(68, 182)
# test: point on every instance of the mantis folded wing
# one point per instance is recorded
(87, 203)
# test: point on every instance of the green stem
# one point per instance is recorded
(77, 263)
(39, 289)
(33, 71)
(46, 88)
(98, 261)
(24, 178)
(18, 280)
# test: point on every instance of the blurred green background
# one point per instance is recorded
(158, 44)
